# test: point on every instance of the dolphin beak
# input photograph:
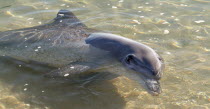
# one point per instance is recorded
(153, 85)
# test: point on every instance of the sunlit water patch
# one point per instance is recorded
(177, 30)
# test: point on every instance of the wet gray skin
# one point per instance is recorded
(72, 48)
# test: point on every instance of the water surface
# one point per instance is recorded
(178, 30)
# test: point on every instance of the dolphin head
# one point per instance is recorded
(143, 60)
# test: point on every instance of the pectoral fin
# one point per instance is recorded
(68, 71)
(80, 72)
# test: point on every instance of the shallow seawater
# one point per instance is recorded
(178, 30)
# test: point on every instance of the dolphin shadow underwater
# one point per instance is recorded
(71, 48)
(90, 92)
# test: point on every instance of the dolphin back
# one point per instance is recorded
(65, 27)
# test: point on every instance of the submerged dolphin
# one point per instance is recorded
(73, 48)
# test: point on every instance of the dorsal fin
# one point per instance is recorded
(66, 26)
(67, 17)
(65, 14)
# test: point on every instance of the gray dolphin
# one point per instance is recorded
(133, 55)
(72, 49)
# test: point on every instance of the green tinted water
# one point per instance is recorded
(178, 30)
